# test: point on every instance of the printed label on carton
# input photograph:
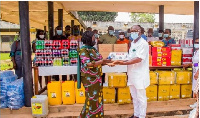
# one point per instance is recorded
(36, 108)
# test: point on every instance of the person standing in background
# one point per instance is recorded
(150, 35)
(96, 35)
(167, 38)
(160, 34)
(122, 39)
(67, 31)
(108, 38)
(142, 31)
(16, 58)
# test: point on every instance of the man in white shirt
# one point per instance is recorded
(138, 71)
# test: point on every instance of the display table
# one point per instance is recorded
(68, 70)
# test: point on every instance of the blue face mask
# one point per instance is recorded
(59, 32)
(159, 34)
(166, 35)
(134, 35)
(111, 32)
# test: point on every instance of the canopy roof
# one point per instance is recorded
(170, 7)
(38, 10)
(38, 14)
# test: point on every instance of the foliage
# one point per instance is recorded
(97, 16)
(143, 17)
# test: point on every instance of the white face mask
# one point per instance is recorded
(121, 36)
(41, 36)
(196, 46)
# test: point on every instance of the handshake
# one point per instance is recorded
(111, 63)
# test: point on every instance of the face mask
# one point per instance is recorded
(111, 32)
(159, 34)
(134, 35)
(196, 46)
(166, 35)
(59, 32)
(128, 34)
(96, 36)
(41, 36)
(121, 36)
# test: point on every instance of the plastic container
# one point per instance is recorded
(57, 44)
(39, 104)
(124, 95)
(40, 44)
(48, 44)
(117, 80)
(65, 44)
(73, 54)
(73, 61)
(108, 95)
(65, 61)
(65, 53)
(151, 92)
(175, 91)
(68, 92)
(54, 93)
(163, 92)
(80, 94)
(186, 91)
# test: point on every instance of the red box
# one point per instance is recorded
(149, 49)
(161, 61)
(57, 44)
(65, 44)
(187, 59)
(166, 54)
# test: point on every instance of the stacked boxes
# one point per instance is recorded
(187, 55)
(151, 93)
(186, 91)
(161, 56)
(118, 82)
(176, 57)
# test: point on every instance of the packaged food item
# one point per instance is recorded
(117, 80)
(175, 91)
(73, 61)
(163, 92)
(48, 44)
(108, 95)
(124, 95)
(118, 55)
(157, 43)
(152, 93)
(187, 52)
(153, 77)
(166, 77)
(186, 91)
(176, 57)
(39, 44)
(183, 77)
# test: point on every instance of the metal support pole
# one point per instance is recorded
(50, 20)
(81, 32)
(72, 27)
(196, 20)
(26, 51)
(161, 17)
(60, 18)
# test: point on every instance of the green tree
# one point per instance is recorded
(143, 17)
(97, 16)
